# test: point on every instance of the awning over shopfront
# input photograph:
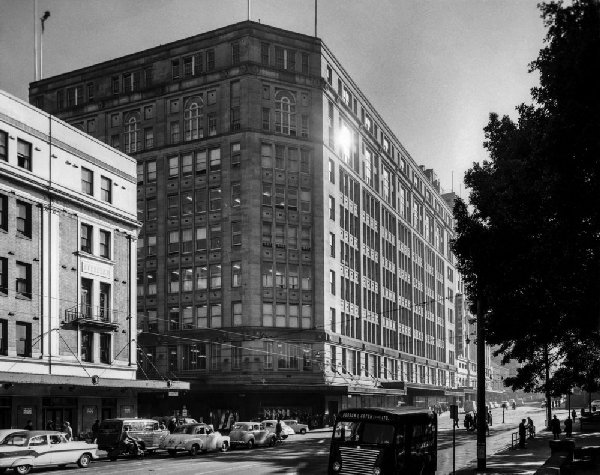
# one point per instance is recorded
(92, 381)
(425, 389)
(455, 393)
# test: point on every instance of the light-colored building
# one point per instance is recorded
(294, 257)
(68, 231)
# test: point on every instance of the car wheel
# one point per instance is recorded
(195, 450)
(250, 444)
(303, 431)
(172, 452)
(84, 460)
(225, 446)
(22, 469)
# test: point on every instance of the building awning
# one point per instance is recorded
(425, 389)
(454, 393)
(93, 381)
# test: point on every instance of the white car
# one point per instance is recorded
(195, 438)
(596, 405)
(26, 449)
(296, 426)
(270, 425)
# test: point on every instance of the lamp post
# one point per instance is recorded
(481, 442)
(502, 413)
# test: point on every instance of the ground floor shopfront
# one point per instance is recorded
(315, 405)
(48, 401)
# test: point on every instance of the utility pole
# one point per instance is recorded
(481, 412)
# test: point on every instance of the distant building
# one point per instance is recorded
(68, 229)
(294, 258)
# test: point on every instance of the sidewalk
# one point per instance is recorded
(529, 459)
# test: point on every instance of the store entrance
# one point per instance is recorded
(55, 417)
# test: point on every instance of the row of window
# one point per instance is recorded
(88, 238)
(23, 338)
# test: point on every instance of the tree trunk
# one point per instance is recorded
(547, 388)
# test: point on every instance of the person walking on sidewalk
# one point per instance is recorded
(522, 434)
(530, 428)
(574, 414)
(568, 427)
(489, 417)
(555, 426)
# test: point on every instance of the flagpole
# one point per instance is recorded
(315, 18)
(43, 19)
(249, 10)
(35, 56)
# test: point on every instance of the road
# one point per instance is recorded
(308, 454)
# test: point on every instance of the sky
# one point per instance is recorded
(433, 69)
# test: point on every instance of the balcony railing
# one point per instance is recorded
(88, 313)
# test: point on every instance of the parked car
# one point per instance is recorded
(26, 449)
(146, 431)
(4, 433)
(596, 405)
(270, 425)
(249, 434)
(194, 438)
(296, 426)
(590, 421)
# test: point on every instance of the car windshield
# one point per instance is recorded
(364, 432)
(241, 427)
(16, 439)
(185, 430)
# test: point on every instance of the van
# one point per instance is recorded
(147, 431)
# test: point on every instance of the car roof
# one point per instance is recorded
(33, 433)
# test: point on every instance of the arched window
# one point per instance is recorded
(192, 118)
(285, 113)
(132, 136)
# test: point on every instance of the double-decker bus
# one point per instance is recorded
(381, 441)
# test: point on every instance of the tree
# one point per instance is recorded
(528, 244)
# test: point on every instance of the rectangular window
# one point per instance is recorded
(173, 241)
(235, 119)
(173, 166)
(267, 316)
(151, 249)
(175, 69)
(106, 189)
(304, 63)
(200, 239)
(3, 146)
(24, 154)
(331, 208)
(236, 193)
(151, 171)
(4, 212)
(332, 282)
(175, 132)
(236, 273)
(215, 199)
(235, 154)
(23, 219)
(105, 244)
(23, 337)
(87, 181)
(264, 54)
(201, 316)
(215, 276)
(212, 123)
(151, 281)
(235, 53)
(236, 233)
(86, 238)
(148, 138)
(201, 162)
(3, 337)
(3, 275)
(236, 313)
(214, 159)
(331, 245)
(215, 237)
(216, 316)
(210, 60)
(187, 203)
(151, 209)
(23, 279)
(266, 121)
(105, 348)
(201, 278)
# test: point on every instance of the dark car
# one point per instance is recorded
(590, 421)
(147, 431)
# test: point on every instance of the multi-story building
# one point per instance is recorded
(294, 258)
(67, 267)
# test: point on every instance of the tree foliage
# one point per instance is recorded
(528, 242)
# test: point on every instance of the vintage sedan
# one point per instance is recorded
(195, 438)
(296, 426)
(271, 425)
(26, 449)
(249, 434)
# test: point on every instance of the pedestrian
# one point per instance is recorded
(489, 417)
(278, 428)
(29, 425)
(172, 425)
(555, 426)
(95, 430)
(50, 425)
(568, 427)
(68, 430)
(530, 428)
(456, 423)
(574, 414)
(522, 434)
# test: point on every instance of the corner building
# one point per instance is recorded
(294, 259)
(67, 274)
